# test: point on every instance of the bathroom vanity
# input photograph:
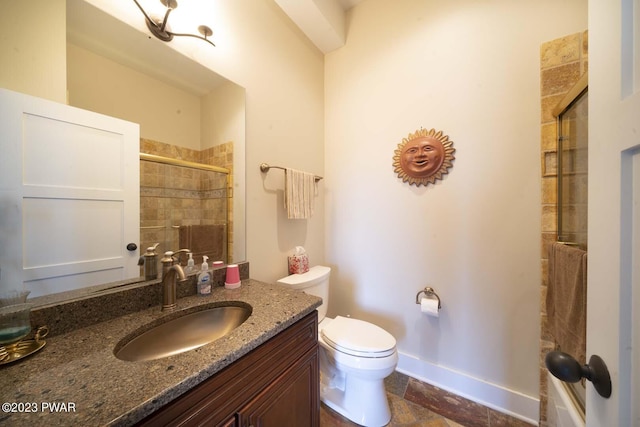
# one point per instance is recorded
(274, 385)
(264, 372)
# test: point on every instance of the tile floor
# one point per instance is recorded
(403, 412)
(417, 404)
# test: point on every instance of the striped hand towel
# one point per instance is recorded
(299, 194)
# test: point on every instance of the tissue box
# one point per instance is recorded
(298, 264)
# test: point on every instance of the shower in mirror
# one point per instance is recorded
(186, 205)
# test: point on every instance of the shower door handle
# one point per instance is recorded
(567, 369)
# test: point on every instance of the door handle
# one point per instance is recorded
(132, 247)
(567, 369)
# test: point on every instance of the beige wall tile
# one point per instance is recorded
(548, 104)
(549, 136)
(549, 164)
(549, 190)
(549, 218)
(547, 239)
(560, 51)
(559, 80)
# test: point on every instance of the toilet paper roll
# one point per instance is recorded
(429, 306)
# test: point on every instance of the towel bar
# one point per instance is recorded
(429, 292)
(265, 168)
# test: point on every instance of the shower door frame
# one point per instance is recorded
(577, 94)
(576, 391)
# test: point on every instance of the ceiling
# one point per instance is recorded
(99, 31)
(348, 4)
(323, 21)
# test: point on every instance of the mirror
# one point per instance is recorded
(173, 118)
(185, 110)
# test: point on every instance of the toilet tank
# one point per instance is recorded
(313, 282)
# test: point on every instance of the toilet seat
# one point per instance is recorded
(358, 338)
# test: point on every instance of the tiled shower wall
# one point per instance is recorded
(172, 196)
(562, 62)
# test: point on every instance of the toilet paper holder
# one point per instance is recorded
(429, 293)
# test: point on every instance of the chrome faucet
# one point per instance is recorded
(169, 287)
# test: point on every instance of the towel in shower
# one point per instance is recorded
(209, 240)
(567, 299)
(299, 193)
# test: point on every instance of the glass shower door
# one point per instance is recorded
(572, 187)
(573, 172)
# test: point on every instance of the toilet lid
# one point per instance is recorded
(358, 338)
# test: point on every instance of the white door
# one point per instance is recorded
(613, 315)
(69, 196)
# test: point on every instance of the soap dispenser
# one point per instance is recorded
(150, 262)
(190, 268)
(204, 278)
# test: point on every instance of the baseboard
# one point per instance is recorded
(510, 402)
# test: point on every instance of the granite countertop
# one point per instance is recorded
(78, 368)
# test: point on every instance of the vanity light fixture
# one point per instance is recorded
(160, 27)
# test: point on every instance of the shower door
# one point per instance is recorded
(573, 168)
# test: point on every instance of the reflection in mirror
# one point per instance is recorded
(185, 205)
(185, 110)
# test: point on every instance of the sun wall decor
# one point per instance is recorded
(423, 157)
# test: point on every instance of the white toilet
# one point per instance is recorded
(355, 357)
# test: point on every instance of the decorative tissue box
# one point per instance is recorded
(298, 264)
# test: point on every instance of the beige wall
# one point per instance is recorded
(284, 79)
(223, 115)
(34, 65)
(165, 113)
(472, 71)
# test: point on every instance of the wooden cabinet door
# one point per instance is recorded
(231, 422)
(291, 400)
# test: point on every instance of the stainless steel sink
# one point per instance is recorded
(186, 332)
